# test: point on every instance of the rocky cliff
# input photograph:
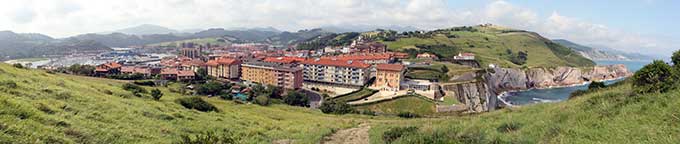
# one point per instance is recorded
(505, 79)
(475, 95)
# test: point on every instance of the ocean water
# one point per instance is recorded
(563, 93)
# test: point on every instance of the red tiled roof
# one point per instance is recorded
(169, 71)
(336, 62)
(378, 56)
(185, 73)
(390, 67)
(222, 61)
(129, 69)
(285, 60)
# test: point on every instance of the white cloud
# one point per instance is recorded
(63, 18)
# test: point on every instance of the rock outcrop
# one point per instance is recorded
(475, 95)
(506, 79)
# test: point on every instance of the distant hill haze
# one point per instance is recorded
(601, 53)
(17, 45)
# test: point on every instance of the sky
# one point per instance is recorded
(640, 26)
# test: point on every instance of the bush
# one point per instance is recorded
(676, 59)
(655, 77)
(408, 115)
(136, 76)
(145, 83)
(9, 84)
(596, 85)
(156, 94)
(210, 88)
(397, 132)
(18, 65)
(508, 127)
(334, 107)
(262, 100)
(135, 89)
(296, 99)
(196, 103)
(227, 137)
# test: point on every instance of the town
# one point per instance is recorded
(365, 67)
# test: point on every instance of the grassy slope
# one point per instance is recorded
(72, 109)
(62, 108)
(607, 116)
(490, 46)
(405, 104)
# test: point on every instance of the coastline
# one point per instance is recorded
(505, 94)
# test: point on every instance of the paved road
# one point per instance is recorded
(315, 99)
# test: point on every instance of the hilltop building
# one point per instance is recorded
(107, 69)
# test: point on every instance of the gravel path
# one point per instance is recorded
(357, 135)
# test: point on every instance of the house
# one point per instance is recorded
(192, 65)
(371, 47)
(389, 76)
(464, 56)
(146, 71)
(228, 68)
(107, 69)
(428, 56)
(178, 75)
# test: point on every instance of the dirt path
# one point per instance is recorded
(357, 135)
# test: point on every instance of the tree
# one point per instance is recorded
(676, 59)
(655, 77)
(210, 88)
(201, 74)
(445, 69)
(18, 65)
(296, 99)
(334, 107)
(275, 91)
(156, 94)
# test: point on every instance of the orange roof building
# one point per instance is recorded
(336, 71)
(224, 67)
(389, 76)
(108, 68)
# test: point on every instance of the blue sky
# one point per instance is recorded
(640, 26)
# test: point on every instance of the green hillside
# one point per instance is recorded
(219, 41)
(491, 44)
(39, 107)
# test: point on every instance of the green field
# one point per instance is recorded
(412, 104)
(490, 44)
(434, 71)
(39, 107)
(363, 93)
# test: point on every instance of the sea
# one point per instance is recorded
(560, 94)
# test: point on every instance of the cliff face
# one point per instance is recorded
(475, 95)
(504, 79)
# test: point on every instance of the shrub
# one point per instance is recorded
(196, 103)
(133, 88)
(9, 84)
(397, 132)
(676, 59)
(596, 85)
(262, 100)
(334, 107)
(210, 137)
(408, 115)
(655, 77)
(509, 127)
(156, 94)
(296, 99)
(210, 88)
(145, 83)
(18, 65)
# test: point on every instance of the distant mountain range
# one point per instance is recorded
(17, 45)
(601, 53)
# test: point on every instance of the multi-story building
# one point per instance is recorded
(228, 68)
(178, 75)
(272, 74)
(367, 58)
(389, 76)
(336, 71)
(191, 52)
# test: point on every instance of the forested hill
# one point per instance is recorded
(15, 45)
